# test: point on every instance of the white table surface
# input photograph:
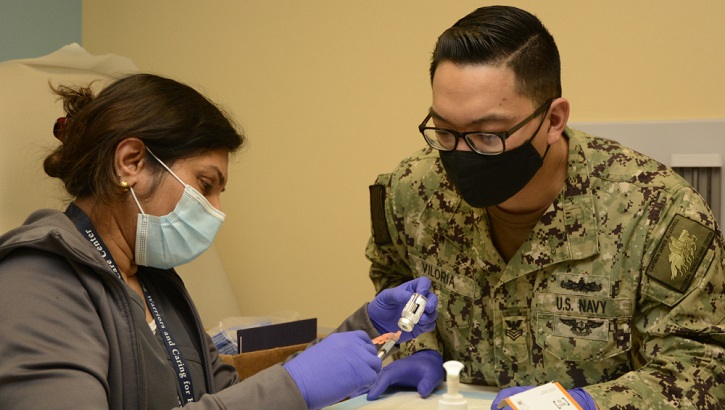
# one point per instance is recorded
(478, 397)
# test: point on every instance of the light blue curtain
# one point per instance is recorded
(32, 28)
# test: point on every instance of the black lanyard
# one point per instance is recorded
(85, 227)
(177, 358)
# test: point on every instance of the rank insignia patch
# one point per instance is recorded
(513, 329)
(680, 252)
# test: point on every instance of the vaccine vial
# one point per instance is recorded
(412, 312)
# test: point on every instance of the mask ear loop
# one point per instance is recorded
(204, 201)
(167, 168)
(133, 194)
(546, 151)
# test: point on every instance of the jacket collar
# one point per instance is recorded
(51, 231)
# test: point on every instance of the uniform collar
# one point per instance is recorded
(566, 231)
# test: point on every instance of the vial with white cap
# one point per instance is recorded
(452, 399)
(412, 312)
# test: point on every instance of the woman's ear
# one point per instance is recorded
(558, 118)
(129, 159)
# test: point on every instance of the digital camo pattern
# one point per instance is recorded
(619, 288)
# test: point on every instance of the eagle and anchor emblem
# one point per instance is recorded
(513, 329)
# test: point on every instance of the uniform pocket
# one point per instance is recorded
(578, 328)
(454, 308)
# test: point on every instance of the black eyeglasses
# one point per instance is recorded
(484, 143)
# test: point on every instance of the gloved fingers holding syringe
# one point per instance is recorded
(395, 309)
(348, 359)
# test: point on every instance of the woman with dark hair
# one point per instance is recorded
(94, 316)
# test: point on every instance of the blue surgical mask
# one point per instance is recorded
(171, 240)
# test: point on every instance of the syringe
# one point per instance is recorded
(388, 345)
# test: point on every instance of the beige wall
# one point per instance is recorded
(330, 93)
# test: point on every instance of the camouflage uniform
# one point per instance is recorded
(619, 287)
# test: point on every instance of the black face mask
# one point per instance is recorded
(486, 180)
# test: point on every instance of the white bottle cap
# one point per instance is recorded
(452, 400)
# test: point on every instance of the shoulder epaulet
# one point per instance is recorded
(381, 234)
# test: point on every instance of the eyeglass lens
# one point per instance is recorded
(479, 142)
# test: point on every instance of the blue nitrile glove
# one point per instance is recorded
(422, 370)
(336, 367)
(580, 395)
(385, 309)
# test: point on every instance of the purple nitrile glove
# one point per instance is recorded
(422, 370)
(579, 395)
(583, 398)
(385, 309)
(506, 393)
(335, 368)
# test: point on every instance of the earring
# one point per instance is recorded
(123, 184)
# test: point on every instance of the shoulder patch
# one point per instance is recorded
(680, 252)
(381, 235)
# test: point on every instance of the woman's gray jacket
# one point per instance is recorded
(73, 335)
